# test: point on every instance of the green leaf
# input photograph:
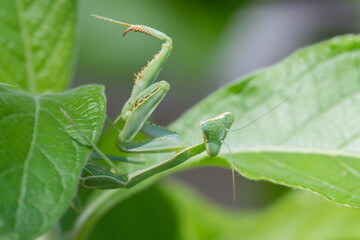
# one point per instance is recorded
(296, 216)
(149, 210)
(152, 210)
(311, 141)
(171, 210)
(41, 158)
(98, 204)
(36, 44)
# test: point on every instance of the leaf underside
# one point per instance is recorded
(182, 214)
(297, 215)
(312, 140)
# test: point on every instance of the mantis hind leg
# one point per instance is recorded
(101, 178)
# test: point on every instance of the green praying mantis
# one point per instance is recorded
(145, 97)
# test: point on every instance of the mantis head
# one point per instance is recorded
(215, 131)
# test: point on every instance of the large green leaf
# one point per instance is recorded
(40, 155)
(312, 140)
(36, 43)
(298, 215)
(172, 211)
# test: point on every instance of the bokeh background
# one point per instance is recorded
(215, 42)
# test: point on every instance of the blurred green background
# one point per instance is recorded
(215, 42)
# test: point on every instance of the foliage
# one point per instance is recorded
(40, 161)
(185, 215)
(37, 44)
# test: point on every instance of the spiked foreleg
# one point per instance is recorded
(148, 74)
(141, 109)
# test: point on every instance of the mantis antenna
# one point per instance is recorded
(246, 125)
(232, 173)
(110, 20)
(267, 112)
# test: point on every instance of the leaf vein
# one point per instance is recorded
(26, 165)
(309, 177)
(31, 81)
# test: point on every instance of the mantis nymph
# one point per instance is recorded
(145, 97)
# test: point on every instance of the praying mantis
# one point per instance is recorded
(145, 97)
